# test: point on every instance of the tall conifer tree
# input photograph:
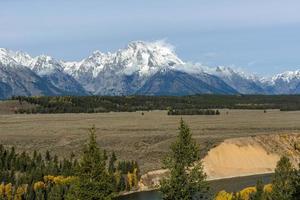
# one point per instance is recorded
(187, 180)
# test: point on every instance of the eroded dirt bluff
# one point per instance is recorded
(241, 157)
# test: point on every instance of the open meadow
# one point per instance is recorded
(131, 135)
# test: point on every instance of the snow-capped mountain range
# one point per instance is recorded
(142, 68)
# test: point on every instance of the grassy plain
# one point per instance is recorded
(145, 138)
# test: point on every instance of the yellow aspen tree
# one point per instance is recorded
(58, 180)
(130, 180)
(117, 176)
(245, 193)
(223, 195)
(20, 192)
(268, 188)
(9, 191)
(135, 177)
(49, 178)
(39, 185)
(2, 190)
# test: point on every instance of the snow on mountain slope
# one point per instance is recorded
(10, 57)
(108, 73)
(142, 57)
(131, 68)
(286, 83)
(52, 71)
(20, 80)
(5, 57)
(288, 76)
(240, 81)
(44, 65)
(139, 68)
(20, 74)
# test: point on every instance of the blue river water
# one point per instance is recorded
(229, 184)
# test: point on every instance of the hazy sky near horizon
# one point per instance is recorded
(261, 36)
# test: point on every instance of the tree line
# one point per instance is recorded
(95, 104)
(193, 112)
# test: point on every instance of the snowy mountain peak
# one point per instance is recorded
(144, 58)
(287, 76)
(98, 53)
(23, 58)
(228, 72)
(225, 71)
(139, 66)
(5, 58)
(9, 57)
(159, 52)
(44, 58)
(44, 65)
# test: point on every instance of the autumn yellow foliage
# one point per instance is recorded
(223, 195)
(2, 189)
(132, 179)
(39, 185)
(59, 180)
(49, 178)
(118, 177)
(245, 193)
(268, 188)
(9, 192)
(135, 177)
(20, 192)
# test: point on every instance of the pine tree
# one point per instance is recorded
(282, 185)
(57, 192)
(187, 179)
(259, 194)
(48, 156)
(94, 181)
(111, 165)
(296, 184)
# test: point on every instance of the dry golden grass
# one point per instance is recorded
(134, 136)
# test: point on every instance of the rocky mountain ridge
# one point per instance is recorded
(141, 68)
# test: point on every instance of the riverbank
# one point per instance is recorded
(230, 184)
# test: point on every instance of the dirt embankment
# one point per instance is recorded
(241, 157)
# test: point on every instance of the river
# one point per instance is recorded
(228, 184)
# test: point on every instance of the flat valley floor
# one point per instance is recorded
(145, 138)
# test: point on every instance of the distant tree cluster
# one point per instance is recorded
(20, 174)
(51, 187)
(46, 177)
(193, 112)
(126, 175)
(95, 104)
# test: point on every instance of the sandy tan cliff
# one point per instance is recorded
(240, 157)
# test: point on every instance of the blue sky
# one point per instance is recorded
(259, 36)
